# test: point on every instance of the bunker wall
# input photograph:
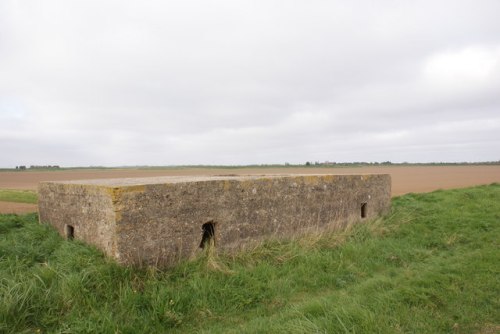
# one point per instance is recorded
(161, 223)
(80, 211)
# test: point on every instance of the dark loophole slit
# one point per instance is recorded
(70, 232)
(364, 207)
(208, 235)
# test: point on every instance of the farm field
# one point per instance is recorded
(405, 179)
(430, 266)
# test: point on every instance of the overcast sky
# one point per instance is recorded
(248, 82)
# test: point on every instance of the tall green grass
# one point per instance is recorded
(19, 196)
(431, 266)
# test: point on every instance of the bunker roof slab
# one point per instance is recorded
(125, 182)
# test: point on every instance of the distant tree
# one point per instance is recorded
(308, 163)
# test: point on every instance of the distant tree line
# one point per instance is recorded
(354, 163)
(385, 163)
(37, 167)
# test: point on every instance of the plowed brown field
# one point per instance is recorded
(11, 207)
(405, 179)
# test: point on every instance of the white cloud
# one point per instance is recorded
(466, 69)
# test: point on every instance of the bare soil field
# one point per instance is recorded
(405, 179)
(11, 207)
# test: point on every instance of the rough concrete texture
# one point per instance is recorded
(158, 221)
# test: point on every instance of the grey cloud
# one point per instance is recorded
(235, 82)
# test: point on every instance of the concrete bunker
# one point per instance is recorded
(158, 221)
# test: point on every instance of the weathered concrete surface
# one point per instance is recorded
(159, 220)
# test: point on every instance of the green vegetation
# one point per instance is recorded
(431, 266)
(19, 196)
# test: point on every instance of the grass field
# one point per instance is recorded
(431, 266)
(18, 196)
